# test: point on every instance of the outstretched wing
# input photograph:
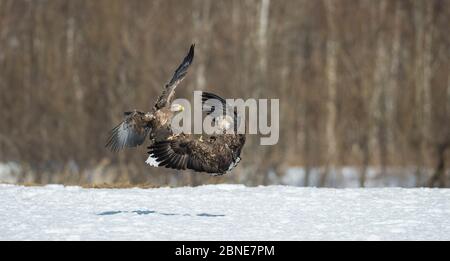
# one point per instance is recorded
(131, 132)
(185, 152)
(169, 89)
(216, 106)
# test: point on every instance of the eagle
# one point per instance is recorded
(137, 125)
(215, 154)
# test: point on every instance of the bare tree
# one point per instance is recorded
(331, 76)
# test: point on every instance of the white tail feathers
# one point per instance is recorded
(152, 161)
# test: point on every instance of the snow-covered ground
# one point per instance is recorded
(223, 212)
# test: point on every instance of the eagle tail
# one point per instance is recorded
(152, 161)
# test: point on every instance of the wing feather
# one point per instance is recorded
(131, 132)
(169, 90)
(187, 152)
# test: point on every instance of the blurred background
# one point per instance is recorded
(364, 87)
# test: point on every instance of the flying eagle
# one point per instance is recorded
(135, 127)
(214, 154)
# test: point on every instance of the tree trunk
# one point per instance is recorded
(331, 76)
(202, 26)
(423, 18)
(381, 76)
(439, 174)
(261, 81)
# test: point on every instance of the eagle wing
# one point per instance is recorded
(186, 152)
(131, 132)
(178, 76)
(217, 107)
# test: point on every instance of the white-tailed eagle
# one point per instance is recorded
(135, 127)
(214, 154)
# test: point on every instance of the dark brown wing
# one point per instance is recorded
(212, 102)
(186, 152)
(169, 90)
(131, 132)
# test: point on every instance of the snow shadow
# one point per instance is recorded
(148, 212)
